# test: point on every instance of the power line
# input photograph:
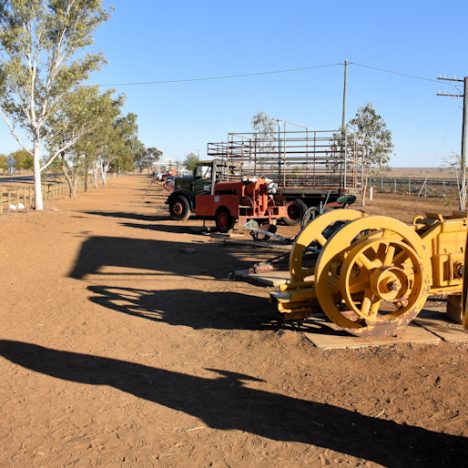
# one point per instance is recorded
(221, 77)
(393, 72)
(271, 72)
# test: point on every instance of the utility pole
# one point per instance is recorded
(345, 80)
(343, 122)
(464, 135)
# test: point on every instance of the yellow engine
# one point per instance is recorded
(371, 275)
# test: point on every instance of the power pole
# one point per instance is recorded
(343, 122)
(345, 80)
(464, 136)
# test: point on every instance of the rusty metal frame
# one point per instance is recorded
(294, 159)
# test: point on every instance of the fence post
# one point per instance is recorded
(17, 199)
(409, 185)
(394, 185)
(9, 199)
(381, 184)
(30, 197)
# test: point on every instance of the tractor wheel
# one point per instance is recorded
(179, 208)
(224, 221)
(373, 276)
(295, 210)
(313, 238)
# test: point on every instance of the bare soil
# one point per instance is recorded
(124, 344)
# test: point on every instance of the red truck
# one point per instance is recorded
(225, 202)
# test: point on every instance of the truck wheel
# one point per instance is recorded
(224, 221)
(295, 209)
(179, 208)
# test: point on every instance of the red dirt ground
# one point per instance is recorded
(124, 344)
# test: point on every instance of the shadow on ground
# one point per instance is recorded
(225, 403)
(179, 258)
(178, 228)
(129, 215)
(196, 309)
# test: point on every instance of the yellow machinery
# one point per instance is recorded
(371, 275)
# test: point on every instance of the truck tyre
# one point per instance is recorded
(179, 208)
(295, 209)
(224, 221)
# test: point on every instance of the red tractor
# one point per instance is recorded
(225, 202)
(241, 201)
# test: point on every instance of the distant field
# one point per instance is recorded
(420, 172)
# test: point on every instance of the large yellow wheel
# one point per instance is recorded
(314, 236)
(373, 276)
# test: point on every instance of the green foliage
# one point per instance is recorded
(38, 65)
(368, 127)
(191, 161)
(3, 163)
(41, 62)
(263, 124)
(109, 139)
(126, 145)
(147, 157)
(266, 128)
(22, 160)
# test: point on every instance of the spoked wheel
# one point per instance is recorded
(373, 276)
(313, 238)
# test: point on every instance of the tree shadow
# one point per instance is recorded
(180, 258)
(178, 228)
(129, 215)
(196, 309)
(225, 403)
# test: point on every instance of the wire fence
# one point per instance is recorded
(14, 199)
(422, 187)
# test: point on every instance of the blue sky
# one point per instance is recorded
(149, 40)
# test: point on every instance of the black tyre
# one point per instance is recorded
(179, 208)
(295, 209)
(224, 221)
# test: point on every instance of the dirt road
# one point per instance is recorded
(123, 344)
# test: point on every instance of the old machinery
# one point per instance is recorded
(371, 275)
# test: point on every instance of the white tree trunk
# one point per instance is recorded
(103, 168)
(38, 198)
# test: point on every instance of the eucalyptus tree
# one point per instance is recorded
(91, 115)
(125, 144)
(369, 129)
(147, 157)
(191, 161)
(22, 160)
(41, 61)
(3, 163)
(265, 142)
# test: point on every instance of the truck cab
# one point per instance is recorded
(182, 201)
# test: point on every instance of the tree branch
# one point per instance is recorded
(64, 147)
(13, 132)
